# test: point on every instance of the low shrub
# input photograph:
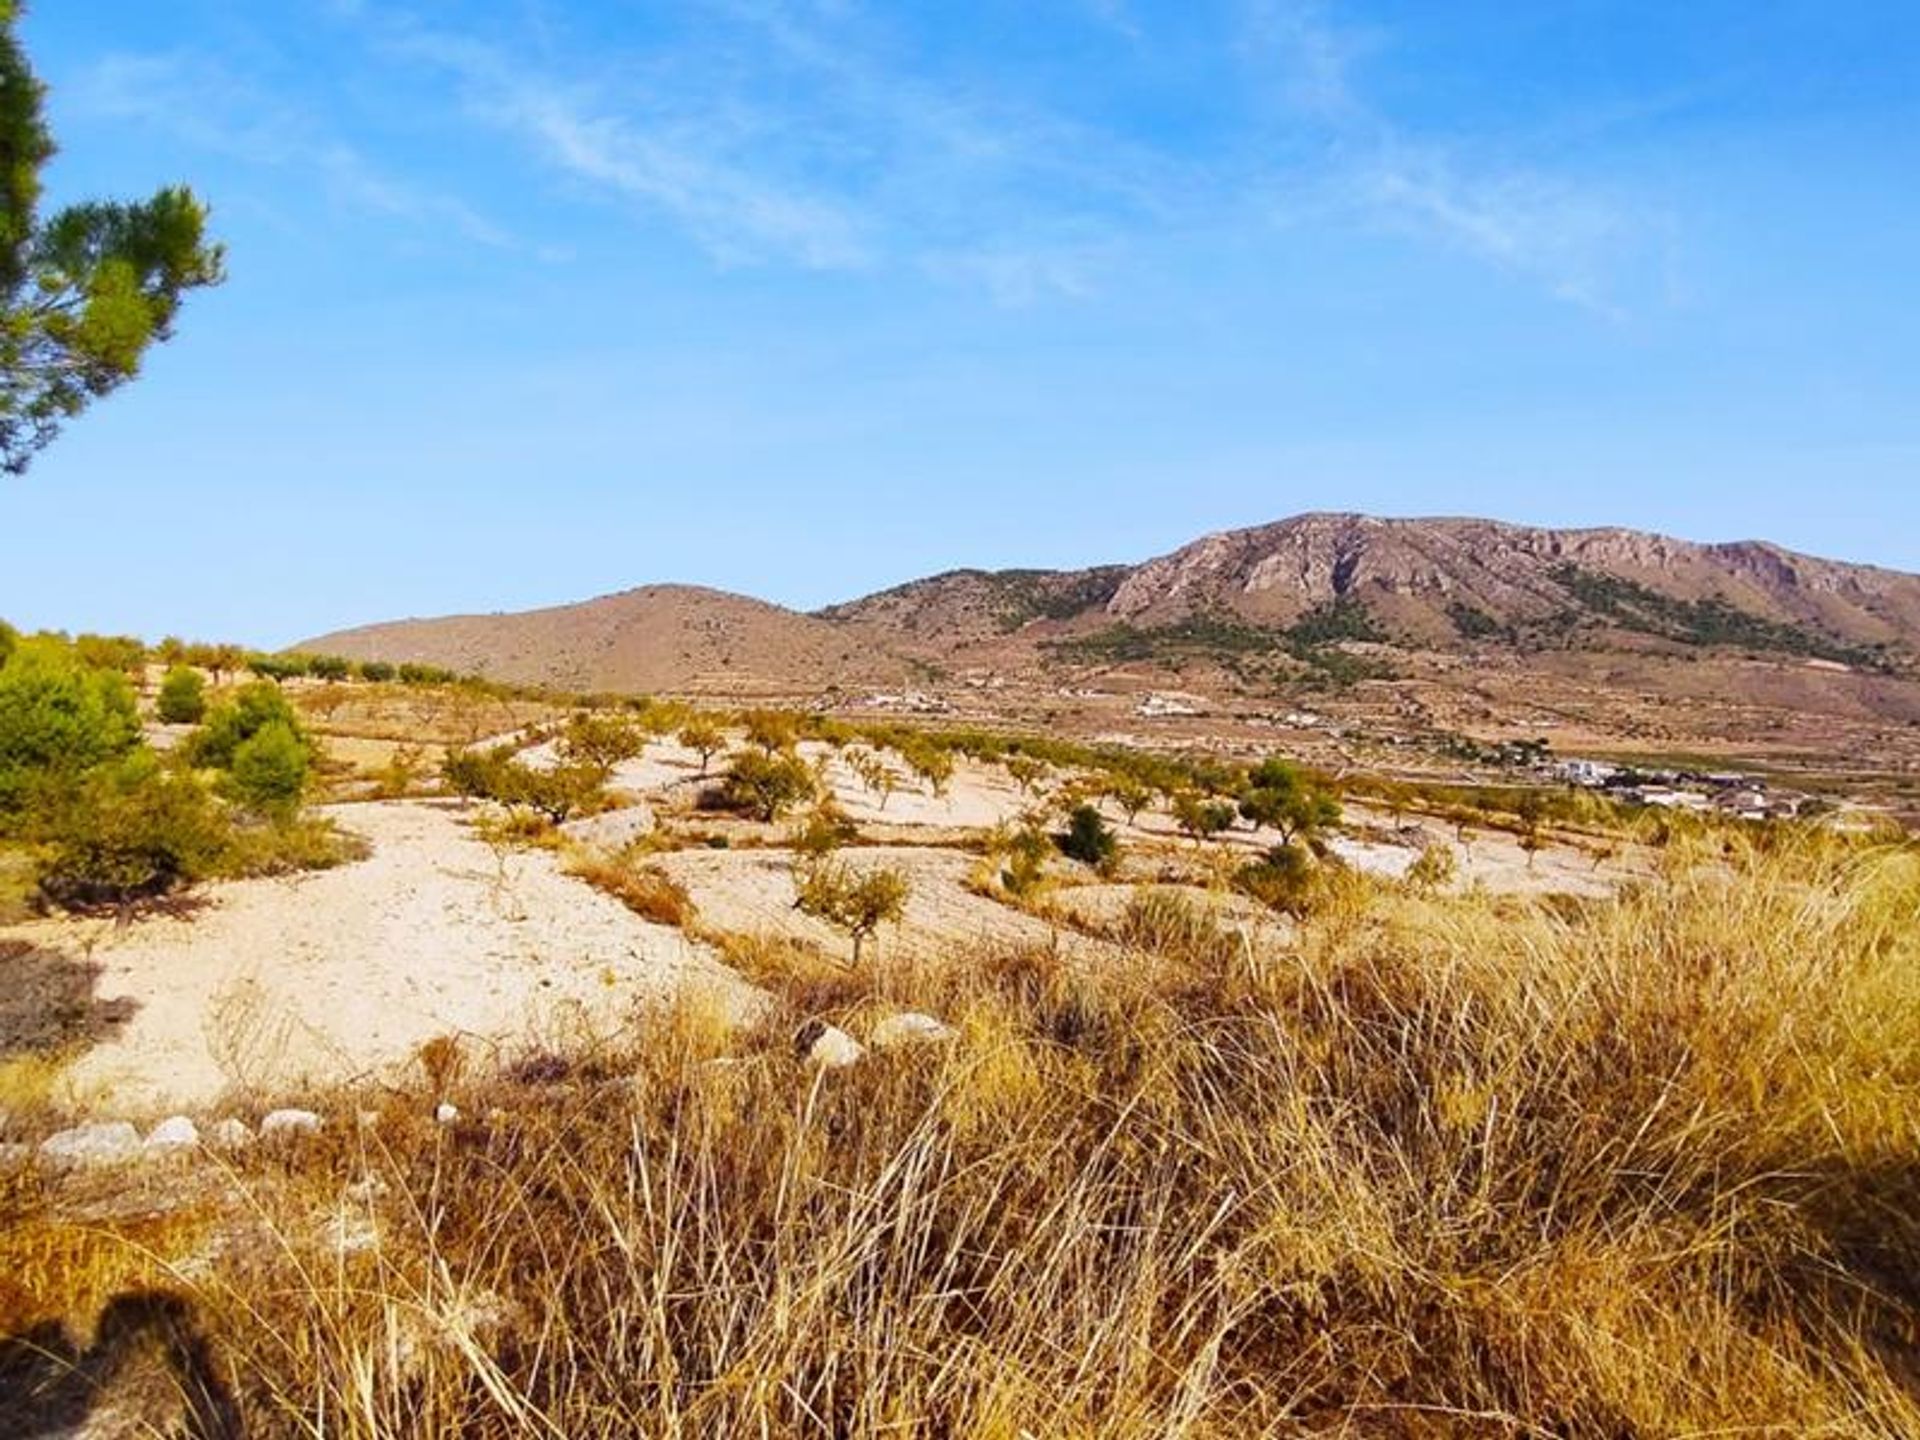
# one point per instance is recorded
(183, 697)
(131, 831)
(235, 721)
(1090, 840)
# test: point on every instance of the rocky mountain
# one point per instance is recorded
(1323, 595)
(1448, 584)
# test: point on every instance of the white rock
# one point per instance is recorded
(910, 1028)
(176, 1132)
(828, 1046)
(446, 1114)
(230, 1134)
(106, 1143)
(615, 830)
(281, 1124)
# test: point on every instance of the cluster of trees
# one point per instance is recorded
(107, 817)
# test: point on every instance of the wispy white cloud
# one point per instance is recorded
(207, 106)
(677, 170)
(1573, 237)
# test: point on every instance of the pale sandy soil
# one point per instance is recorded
(330, 976)
(751, 892)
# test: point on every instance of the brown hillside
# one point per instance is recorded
(659, 638)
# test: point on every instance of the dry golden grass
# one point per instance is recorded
(1448, 1167)
(647, 890)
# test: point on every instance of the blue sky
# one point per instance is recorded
(531, 300)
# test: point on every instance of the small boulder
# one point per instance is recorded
(172, 1135)
(614, 830)
(446, 1113)
(910, 1028)
(286, 1124)
(111, 1142)
(230, 1134)
(827, 1046)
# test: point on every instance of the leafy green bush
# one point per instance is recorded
(766, 786)
(131, 830)
(377, 671)
(232, 724)
(557, 793)
(1285, 880)
(1090, 840)
(279, 667)
(1281, 797)
(9, 637)
(269, 772)
(329, 667)
(183, 697)
(58, 719)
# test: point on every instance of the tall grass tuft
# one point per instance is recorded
(1445, 1166)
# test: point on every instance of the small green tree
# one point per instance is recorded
(269, 770)
(930, 762)
(1026, 772)
(1201, 818)
(183, 697)
(767, 786)
(1131, 795)
(857, 902)
(771, 730)
(377, 672)
(602, 741)
(1280, 797)
(705, 739)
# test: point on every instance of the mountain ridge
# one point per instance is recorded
(1309, 584)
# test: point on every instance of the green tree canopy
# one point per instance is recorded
(83, 292)
(58, 717)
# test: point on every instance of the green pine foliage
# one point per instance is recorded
(183, 697)
(269, 773)
(86, 291)
(58, 719)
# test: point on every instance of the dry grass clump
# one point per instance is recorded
(645, 889)
(1644, 1169)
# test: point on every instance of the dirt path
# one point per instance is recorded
(333, 975)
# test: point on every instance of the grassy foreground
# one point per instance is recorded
(1450, 1166)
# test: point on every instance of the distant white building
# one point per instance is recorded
(1591, 773)
(1155, 705)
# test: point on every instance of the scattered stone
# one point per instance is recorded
(614, 830)
(446, 1114)
(285, 1124)
(173, 1134)
(107, 1143)
(911, 1028)
(827, 1045)
(230, 1134)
